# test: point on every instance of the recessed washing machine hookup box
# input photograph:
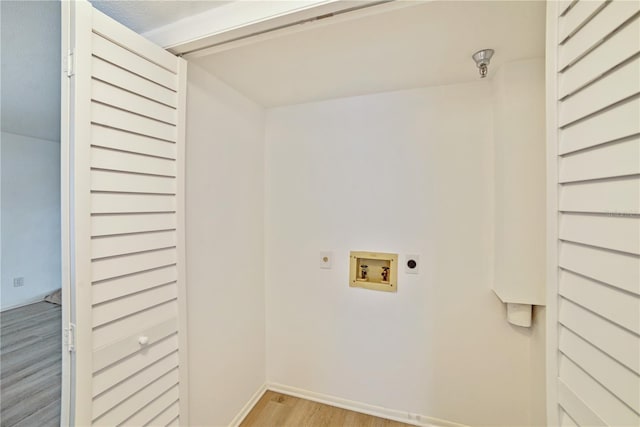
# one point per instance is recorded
(374, 270)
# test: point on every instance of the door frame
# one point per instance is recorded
(65, 193)
(551, 104)
(76, 17)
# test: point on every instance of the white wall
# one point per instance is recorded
(538, 367)
(405, 172)
(30, 218)
(225, 254)
(520, 181)
(519, 136)
(30, 45)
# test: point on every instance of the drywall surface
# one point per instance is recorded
(407, 172)
(373, 51)
(520, 156)
(30, 218)
(538, 367)
(520, 201)
(225, 254)
(30, 68)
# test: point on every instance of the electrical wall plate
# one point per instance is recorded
(412, 263)
(374, 270)
(326, 260)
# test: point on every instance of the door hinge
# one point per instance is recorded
(69, 63)
(70, 337)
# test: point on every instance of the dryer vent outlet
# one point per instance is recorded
(412, 264)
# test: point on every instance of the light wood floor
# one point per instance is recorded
(30, 366)
(278, 410)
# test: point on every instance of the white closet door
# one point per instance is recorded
(593, 92)
(126, 99)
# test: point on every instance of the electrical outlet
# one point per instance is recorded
(326, 258)
(18, 282)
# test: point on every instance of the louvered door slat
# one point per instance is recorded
(614, 87)
(149, 412)
(602, 401)
(121, 286)
(614, 51)
(107, 115)
(578, 16)
(112, 74)
(123, 58)
(596, 31)
(116, 160)
(166, 416)
(129, 106)
(618, 269)
(604, 369)
(123, 182)
(566, 420)
(564, 6)
(130, 345)
(119, 371)
(593, 119)
(118, 309)
(107, 268)
(608, 232)
(617, 342)
(611, 196)
(132, 142)
(131, 41)
(135, 325)
(117, 394)
(120, 413)
(114, 224)
(578, 409)
(108, 94)
(616, 305)
(108, 246)
(116, 203)
(608, 161)
(607, 126)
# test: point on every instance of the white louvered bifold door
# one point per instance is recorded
(594, 188)
(127, 100)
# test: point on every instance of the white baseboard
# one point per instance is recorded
(28, 301)
(248, 406)
(377, 411)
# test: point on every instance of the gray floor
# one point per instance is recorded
(30, 366)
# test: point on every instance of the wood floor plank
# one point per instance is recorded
(275, 414)
(281, 410)
(30, 365)
(253, 415)
(37, 349)
(47, 416)
(16, 372)
(305, 413)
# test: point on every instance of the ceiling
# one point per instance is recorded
(142, 16)
(30, 63)
(422, 45)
